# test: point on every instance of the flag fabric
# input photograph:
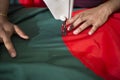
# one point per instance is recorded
(32, 3)
(44, 56)
(28, 3)
(47, 55)
(77, 3)
(101, 51)
(14, 2)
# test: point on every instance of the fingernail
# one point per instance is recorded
(76, 32)
(13, 55)
(70, 28)
(26, 37)
(90, 33)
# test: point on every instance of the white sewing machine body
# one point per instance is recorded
(60, 9)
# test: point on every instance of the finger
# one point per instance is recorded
(8, 44)
(1, 40)
(1, 31)
(82, 27)
(76, 23)
(70, 21)
(93, 29)
(20, 32)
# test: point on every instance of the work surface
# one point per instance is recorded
(44, 56)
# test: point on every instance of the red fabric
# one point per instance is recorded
(101, 51)
(32, 3)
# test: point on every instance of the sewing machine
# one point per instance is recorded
(61, 10)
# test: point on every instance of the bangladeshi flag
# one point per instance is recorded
(50, 56)
(32, 3)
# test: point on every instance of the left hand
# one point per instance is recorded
(94, 17)
(7, 29)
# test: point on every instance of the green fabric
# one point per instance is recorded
(14, 2)
(44, 56)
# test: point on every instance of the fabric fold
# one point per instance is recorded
(101, 51)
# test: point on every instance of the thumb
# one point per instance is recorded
(20, 32)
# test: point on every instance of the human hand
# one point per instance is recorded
(7, 29)
(94, 17)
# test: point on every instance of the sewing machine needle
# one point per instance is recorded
(64, 28)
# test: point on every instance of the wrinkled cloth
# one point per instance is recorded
(101, 51)
(44, 56)
(77, 3)
(32, 3)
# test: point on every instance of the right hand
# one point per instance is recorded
(7, 29)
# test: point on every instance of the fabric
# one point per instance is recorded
(32, 3)
(101, 51)
(44, 56)
(14, 2)
(87, 3)
(78, 3)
